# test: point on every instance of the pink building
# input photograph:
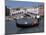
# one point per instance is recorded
(41, 10)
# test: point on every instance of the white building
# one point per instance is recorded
(30, 10)
(33, 10)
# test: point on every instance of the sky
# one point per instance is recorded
(14, 4)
